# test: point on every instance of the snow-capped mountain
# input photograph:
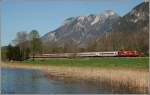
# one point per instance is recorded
(82, 28)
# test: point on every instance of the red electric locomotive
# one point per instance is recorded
(129, 53)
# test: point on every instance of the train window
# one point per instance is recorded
(108, 53)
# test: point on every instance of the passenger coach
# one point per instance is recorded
(121, 53)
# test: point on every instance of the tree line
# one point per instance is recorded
(113, 41)
(110, 41)
(29, 44)
(24, 46)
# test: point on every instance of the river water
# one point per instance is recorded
(35, 81)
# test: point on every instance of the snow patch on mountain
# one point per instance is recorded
(96, 20)
(81, 18)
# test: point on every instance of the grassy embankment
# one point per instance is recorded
(122, 62)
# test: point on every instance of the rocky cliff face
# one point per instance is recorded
(137, 20)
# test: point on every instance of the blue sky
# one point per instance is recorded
(47, 15)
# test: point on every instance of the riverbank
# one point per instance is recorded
(128, 78)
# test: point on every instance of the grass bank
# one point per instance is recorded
(122, 62)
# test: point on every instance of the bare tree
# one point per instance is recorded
(22, 42)
(91, 44)
(35, 43)
(69, 45)
(50, 47)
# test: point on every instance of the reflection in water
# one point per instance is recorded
(34, 81)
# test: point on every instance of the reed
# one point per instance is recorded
(131, 80)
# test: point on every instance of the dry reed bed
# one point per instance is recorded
(131, 78)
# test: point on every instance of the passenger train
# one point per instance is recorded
(121, 53)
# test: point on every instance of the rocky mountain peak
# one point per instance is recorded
(69, 20)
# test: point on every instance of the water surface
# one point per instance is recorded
(35, 81)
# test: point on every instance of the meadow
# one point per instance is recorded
(122, 62)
